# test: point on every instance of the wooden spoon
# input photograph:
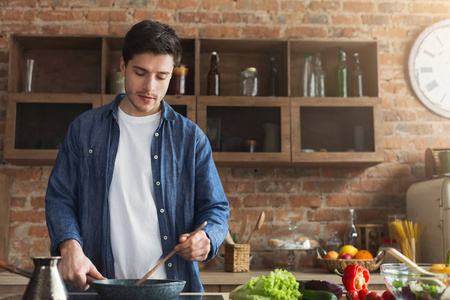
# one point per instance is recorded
(416, 268)
(257, 227)
(229, 239)
(167, 257)
(242, 229)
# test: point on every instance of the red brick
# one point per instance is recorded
(18, 202)
(38, 231)
(357, 7)
(254, 5)
(224, 5)
(50, 3)
(235, 202)
(304, 31)
(257, 201)
(381, 20)
(28, 216)
(7, 29)
(13, 15)
(22, 173)
(431, 7)
(238, 187)
(261, 31)
(389, 33)
(322, 215)
(60, 16)
(347, 200)
(25, 188)
(37, 202)
(97, 16)
(326, 6)
(343, 172)
(118, 29)
(392, 7)
(343, 32)
(279, 186)
(199, 17)
(117, 16)
(371, 186)
(305, 201)
(324, 186)
(51, 29)
(295, 6)
(236, 17)
(87, 29)
(391, 59)
(177, 4)
(346, 20)
(186, 31)
(16, 3)
(282, 214)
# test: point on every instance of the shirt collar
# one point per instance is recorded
(166, 113)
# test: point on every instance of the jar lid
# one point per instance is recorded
(389, 241)
(251, 69)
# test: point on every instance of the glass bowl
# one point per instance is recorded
(291, 239)
(404, 283)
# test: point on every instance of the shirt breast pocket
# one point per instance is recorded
(93, 163)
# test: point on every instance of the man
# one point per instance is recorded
(133, 178)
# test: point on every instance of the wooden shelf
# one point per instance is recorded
(61, 93)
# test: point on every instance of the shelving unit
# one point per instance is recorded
(72, 74)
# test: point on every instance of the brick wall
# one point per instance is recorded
(318, 198)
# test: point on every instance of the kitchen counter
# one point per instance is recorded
(214, 280)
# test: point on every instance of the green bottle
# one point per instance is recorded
(342, 74)
(448, 259)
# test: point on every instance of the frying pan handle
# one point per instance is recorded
(90, 280)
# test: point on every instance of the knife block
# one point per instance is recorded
(237, 258)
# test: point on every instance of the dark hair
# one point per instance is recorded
(154, 37)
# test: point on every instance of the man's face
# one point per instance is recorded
(147, 78)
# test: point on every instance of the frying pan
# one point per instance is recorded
(155, 289)
(120, 289)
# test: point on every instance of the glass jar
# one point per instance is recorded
(291, 238)
(179, 82)
(334, 242)
(249, 82)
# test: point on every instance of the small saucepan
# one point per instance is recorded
(155, 289)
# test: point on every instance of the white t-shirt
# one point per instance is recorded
(135, 237)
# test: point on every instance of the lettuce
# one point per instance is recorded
(278, 285)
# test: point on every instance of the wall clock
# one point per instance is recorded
(429, 67)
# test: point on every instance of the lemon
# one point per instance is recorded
(348, 249)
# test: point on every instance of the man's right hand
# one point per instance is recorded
(74, 265)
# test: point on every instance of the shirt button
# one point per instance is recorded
(90, 151)
(155, 157)
(158, 183)
(156, 134)
(165, 237)
(161, 210)
(169, 265)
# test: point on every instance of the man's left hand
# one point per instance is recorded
(194, 248)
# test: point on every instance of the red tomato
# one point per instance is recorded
(352, 296)
(373, 296)
(387, 295)
(362, 294)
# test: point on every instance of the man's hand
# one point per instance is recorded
(74, 265)
(194, 248)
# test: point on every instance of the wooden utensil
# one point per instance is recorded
(416, 268)
(167, 257)
(242, 229)
(257, 226)
(229, 239)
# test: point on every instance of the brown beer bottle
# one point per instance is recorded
(214, 76)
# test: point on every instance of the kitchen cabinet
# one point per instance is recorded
(72, 74)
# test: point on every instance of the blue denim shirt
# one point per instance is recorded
(187, 189)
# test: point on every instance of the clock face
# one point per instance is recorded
(429, 67)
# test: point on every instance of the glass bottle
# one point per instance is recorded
(214, 76)
(319, 76)
(334, 243)
(351, 234)
(249, 82)
(342, 74)
(357, 77)
(308, 78)
(273, 78)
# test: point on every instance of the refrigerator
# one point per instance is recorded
(428, 202)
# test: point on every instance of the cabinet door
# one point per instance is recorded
(336, 131)
(236, 126)
(37, 123)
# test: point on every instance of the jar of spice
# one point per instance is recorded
(249, 82)
(179, 82)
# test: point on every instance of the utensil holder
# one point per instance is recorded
(237, 258)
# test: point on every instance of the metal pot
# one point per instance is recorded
(119, 289)
(46, 281)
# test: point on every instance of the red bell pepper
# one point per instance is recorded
(355, 278)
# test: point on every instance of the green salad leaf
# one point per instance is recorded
(278, 285)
